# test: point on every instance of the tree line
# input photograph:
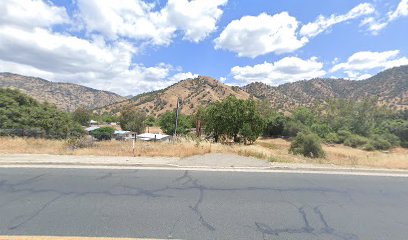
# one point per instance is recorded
(358, 124)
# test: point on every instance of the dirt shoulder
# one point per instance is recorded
(264, 153)
(207, 162)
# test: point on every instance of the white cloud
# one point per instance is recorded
(138, 20)
(357, 76)
(29, 13)
(182, 76)
(376, 25)
(254, 36)
(401, 11)
(366, 60)
(36, 50)
(323, 23)
(289, 69)
(197, 19)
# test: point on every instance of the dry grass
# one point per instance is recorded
(274, 150)
(108, 148)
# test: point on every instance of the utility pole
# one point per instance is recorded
(177, 115)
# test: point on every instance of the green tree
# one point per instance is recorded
(275, 124)
(150, 122)
(168, 120)
(235, 119)
(21, 115)
(104, 133)
(82, 115)
(131, 120)
(321, 129)
(308, 145)
(304, 115)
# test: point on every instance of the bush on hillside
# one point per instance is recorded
(355, 141)
(275, 124)
(321, 129)
(21, 115)
(104, 133)
(308, 145)
(332, 138)
(292, 128)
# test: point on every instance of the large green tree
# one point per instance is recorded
(167, 123)
(131, 120)
(21, 115)
(235, 119)
(82, 115)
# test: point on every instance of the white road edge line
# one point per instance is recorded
(289, 171)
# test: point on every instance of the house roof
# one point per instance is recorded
(90, 129)
(121, 132)
(152, 136)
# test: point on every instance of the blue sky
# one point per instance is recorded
(133, 46)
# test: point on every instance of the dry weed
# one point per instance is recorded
(274, 150)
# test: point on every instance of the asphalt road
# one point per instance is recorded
(201, 205)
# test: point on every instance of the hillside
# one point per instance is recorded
(194, 92)
(389, 86)
(65, 96)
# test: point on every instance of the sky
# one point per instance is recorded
(133, 46)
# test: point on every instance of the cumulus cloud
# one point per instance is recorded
(376, 25)
(138, 20)
(33, 48)
(125, 18)
(253, 36)
(288, 69)
(323, 23)
(366, 60)
(401, 11)
(31, 13)
(197, 19)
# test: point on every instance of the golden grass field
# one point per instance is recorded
(274, 150)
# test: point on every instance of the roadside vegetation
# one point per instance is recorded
(339, 132)
(21, 115)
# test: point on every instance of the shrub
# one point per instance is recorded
(381, 142)
(83, 142)
(343, 135)
(104, 133)
(21, 115)
(321, 129)
(292, 128)
(332, 138)
(275, 124)
(355, 141)
(308, 145)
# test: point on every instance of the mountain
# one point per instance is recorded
(193, 92)
(65, 96)
(390, 87)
